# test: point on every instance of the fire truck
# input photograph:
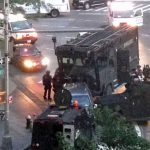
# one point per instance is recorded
(102, 59)
(124, 12)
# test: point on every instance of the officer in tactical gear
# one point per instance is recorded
(146, 72)
(47, 79)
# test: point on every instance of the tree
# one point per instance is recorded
(117, 132)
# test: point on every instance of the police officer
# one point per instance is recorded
(47, 79)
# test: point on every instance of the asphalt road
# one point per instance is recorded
(30, 83)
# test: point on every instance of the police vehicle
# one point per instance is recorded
(17, 23)
(28, 58)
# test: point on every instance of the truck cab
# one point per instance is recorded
(123, 12)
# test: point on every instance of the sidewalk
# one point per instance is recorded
(19, 109)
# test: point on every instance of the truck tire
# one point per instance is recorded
(87, 5)
(54, 13)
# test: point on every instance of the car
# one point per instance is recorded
(28, 58)
(87, 4)
(81, 93)
(21, 30)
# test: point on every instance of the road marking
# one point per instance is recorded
(49, 35)
(138, 5)
(40, 82)
(75, 27)
(101, 9)
(145, 6)
(69, 37)
(146, 9)
(88, 9)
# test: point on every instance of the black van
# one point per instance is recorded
(86, 4)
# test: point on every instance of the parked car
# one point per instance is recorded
(81, 93)
(28, 58)
(87, 4)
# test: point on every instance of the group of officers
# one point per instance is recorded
(140, 74)
(48, 82)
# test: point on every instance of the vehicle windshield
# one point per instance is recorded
(83, 100)
(75, 61)
(32, 51)
(123, 14)
(20, 25)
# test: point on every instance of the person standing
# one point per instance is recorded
(47, 79)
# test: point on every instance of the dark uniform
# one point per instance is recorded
(47, 79)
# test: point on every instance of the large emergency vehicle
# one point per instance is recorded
(18, 23)
(28, 58)
(124, 12)
(102, 59)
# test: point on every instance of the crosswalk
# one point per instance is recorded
(144, 6)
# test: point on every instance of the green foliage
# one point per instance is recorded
(83, 143)
(117, 131)
(112, 129)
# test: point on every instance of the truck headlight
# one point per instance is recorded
(28, 63)
(18, 36)
(34, 34)
(132, 23)
(45, 61)
(115, 23)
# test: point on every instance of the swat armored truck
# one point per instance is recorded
(102, 59)
(70, 122)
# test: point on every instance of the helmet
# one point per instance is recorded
(47, 72)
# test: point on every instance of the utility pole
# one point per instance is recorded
(6, 141)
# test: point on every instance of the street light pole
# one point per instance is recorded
(6, 141)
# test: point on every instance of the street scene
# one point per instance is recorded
(47, 48)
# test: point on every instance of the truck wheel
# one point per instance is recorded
(87, 6)
(54, 13)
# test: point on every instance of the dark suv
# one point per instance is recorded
(86, 4)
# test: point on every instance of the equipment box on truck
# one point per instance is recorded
(68, 121)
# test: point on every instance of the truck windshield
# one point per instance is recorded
(123, 14)
(20, 25)
(75, 61)
(29, 52)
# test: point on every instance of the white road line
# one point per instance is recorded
(146, 9)
(67, 37)
(145, 6)
(88, 9)
(138, 5)
(40, 82)
(61, 26)
(49, 35)
(101, 9)
(75, 27)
